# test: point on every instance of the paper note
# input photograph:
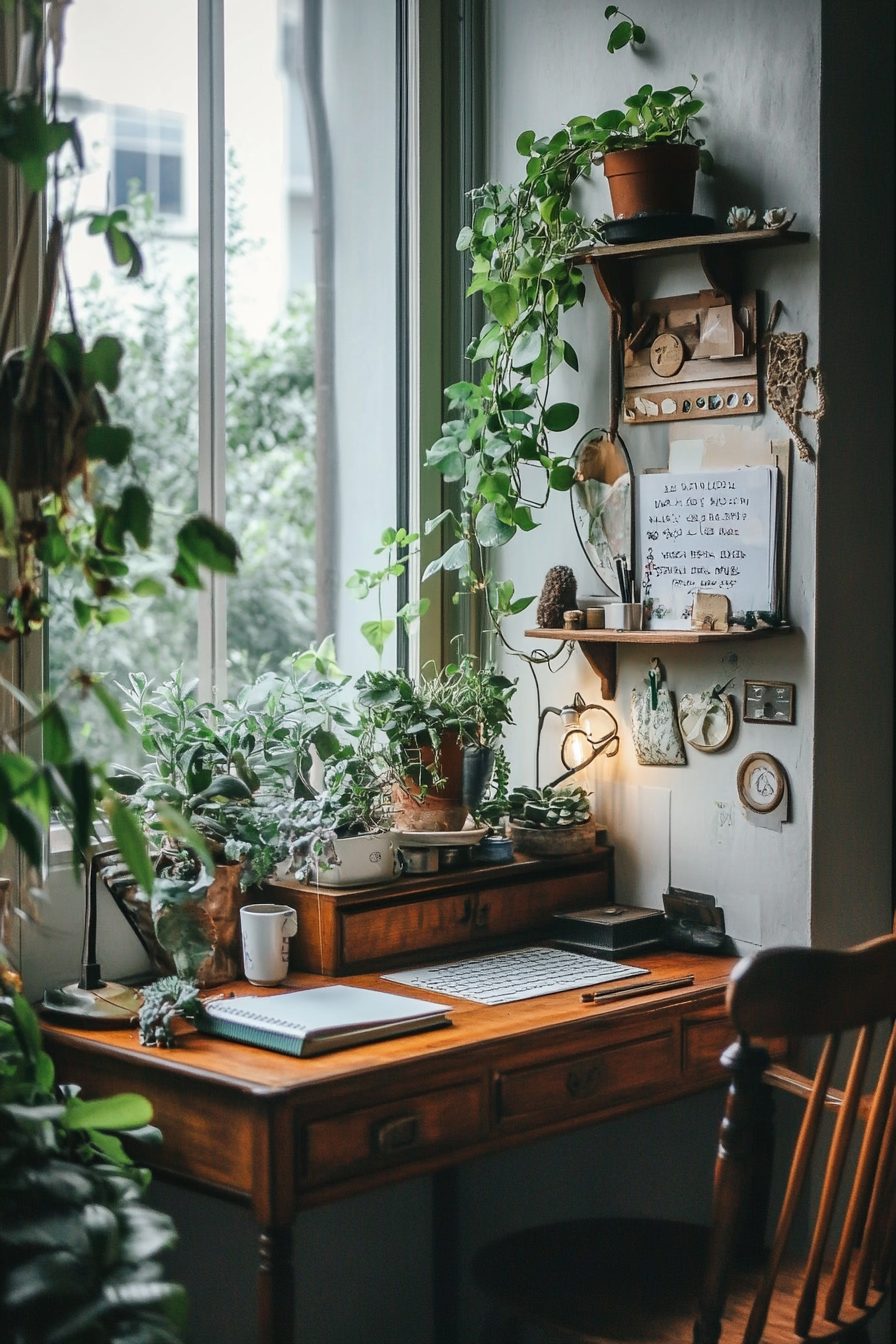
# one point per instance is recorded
(710, 530)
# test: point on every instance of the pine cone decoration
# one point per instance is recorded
(557, 595)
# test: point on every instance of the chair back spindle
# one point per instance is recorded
(800, 992)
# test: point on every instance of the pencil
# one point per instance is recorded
(633, 991)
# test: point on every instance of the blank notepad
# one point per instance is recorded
(511, 976)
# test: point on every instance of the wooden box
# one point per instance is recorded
(347, 930)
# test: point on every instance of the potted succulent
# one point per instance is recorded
(551, 820)
(440, 734)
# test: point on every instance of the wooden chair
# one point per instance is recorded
(630, 1280)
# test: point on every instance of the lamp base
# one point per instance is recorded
(109, 1005)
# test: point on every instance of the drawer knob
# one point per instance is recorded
(391, 1136)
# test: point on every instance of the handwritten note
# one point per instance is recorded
(713, 530)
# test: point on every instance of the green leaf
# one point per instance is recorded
(149, 588)
(503, 302)
(135, 516)
(610, 11)
(490, 530)
(7, 513)
(522, 518)
(489, 343)
(526, 349)
(412, 611)
(101, 364)
(129, 837)
(562, 476)
(57, 742)
(454, 558)
(446, 457)
(562, 415)
(464, 238)
(549, 209)
(570, 357)
(223, 786)
(123, 780)
(433, 523)
(376, 633)
(127, 1110)
(620, 37)
(111, 706)
(202, 541)
(524, 143)
(108, 443)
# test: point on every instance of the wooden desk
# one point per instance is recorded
(284, 1134)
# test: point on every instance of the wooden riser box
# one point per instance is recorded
(344, 931)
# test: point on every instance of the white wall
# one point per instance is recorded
(541, 78)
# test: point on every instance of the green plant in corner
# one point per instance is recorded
(78, 1245)
(550, 808)
(363, 582)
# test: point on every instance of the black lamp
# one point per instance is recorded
(582, 741)
(93, 1001)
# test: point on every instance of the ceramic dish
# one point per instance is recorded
(472, 836)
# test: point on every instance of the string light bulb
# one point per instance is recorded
(583, 741)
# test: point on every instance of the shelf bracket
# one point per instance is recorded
(721, 271)
(602, 657)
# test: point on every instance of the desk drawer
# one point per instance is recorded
(590, 1081)
(378, 934)
(503, 910)
(391, 1133)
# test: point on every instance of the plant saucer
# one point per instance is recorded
(471, 835)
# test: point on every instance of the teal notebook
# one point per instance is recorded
(315, 1021)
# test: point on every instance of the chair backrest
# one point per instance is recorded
(796, 992)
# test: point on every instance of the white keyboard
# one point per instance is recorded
(511, 976)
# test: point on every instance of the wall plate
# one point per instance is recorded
(769, 702)
(761, 782)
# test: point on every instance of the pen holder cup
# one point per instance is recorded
(624, 616)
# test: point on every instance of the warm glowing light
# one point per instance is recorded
(576, 749)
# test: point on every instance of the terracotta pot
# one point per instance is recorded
(652, 178)
(560, 840)
(442, 809)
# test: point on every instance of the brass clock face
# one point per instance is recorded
(666, 355)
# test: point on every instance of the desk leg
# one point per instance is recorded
(275, 1286)
(445, 1256)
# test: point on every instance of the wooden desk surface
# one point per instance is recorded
(685, 1031)
(284, 1133)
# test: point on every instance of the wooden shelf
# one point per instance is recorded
(718, 254)
(599, 646)
(667, 247)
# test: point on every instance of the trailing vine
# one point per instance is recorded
(522, 240)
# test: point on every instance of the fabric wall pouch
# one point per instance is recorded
(655, 730)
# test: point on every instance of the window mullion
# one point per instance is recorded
(212, 335)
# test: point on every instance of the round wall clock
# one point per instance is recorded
(761, 782)
(666, 355)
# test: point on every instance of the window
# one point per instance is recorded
(148, 157)
(254, 395)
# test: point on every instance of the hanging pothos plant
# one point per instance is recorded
(71, 498)
(497, 444)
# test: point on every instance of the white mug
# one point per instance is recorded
(267, 930)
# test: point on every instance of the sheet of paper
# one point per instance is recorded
(713, 530)
(638, 819)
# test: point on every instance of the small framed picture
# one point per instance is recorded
(769, 702)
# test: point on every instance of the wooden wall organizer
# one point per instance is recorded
(720, 257)
(599, 646)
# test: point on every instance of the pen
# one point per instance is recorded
(623, 992)
(621, 575)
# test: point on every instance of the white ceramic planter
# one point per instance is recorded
(363, 860)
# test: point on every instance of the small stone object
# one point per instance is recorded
(162, 1002)
(572, 620)
(741, 218)
(557, 596)
(775, 217)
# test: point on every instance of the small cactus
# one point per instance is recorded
(550, 808)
